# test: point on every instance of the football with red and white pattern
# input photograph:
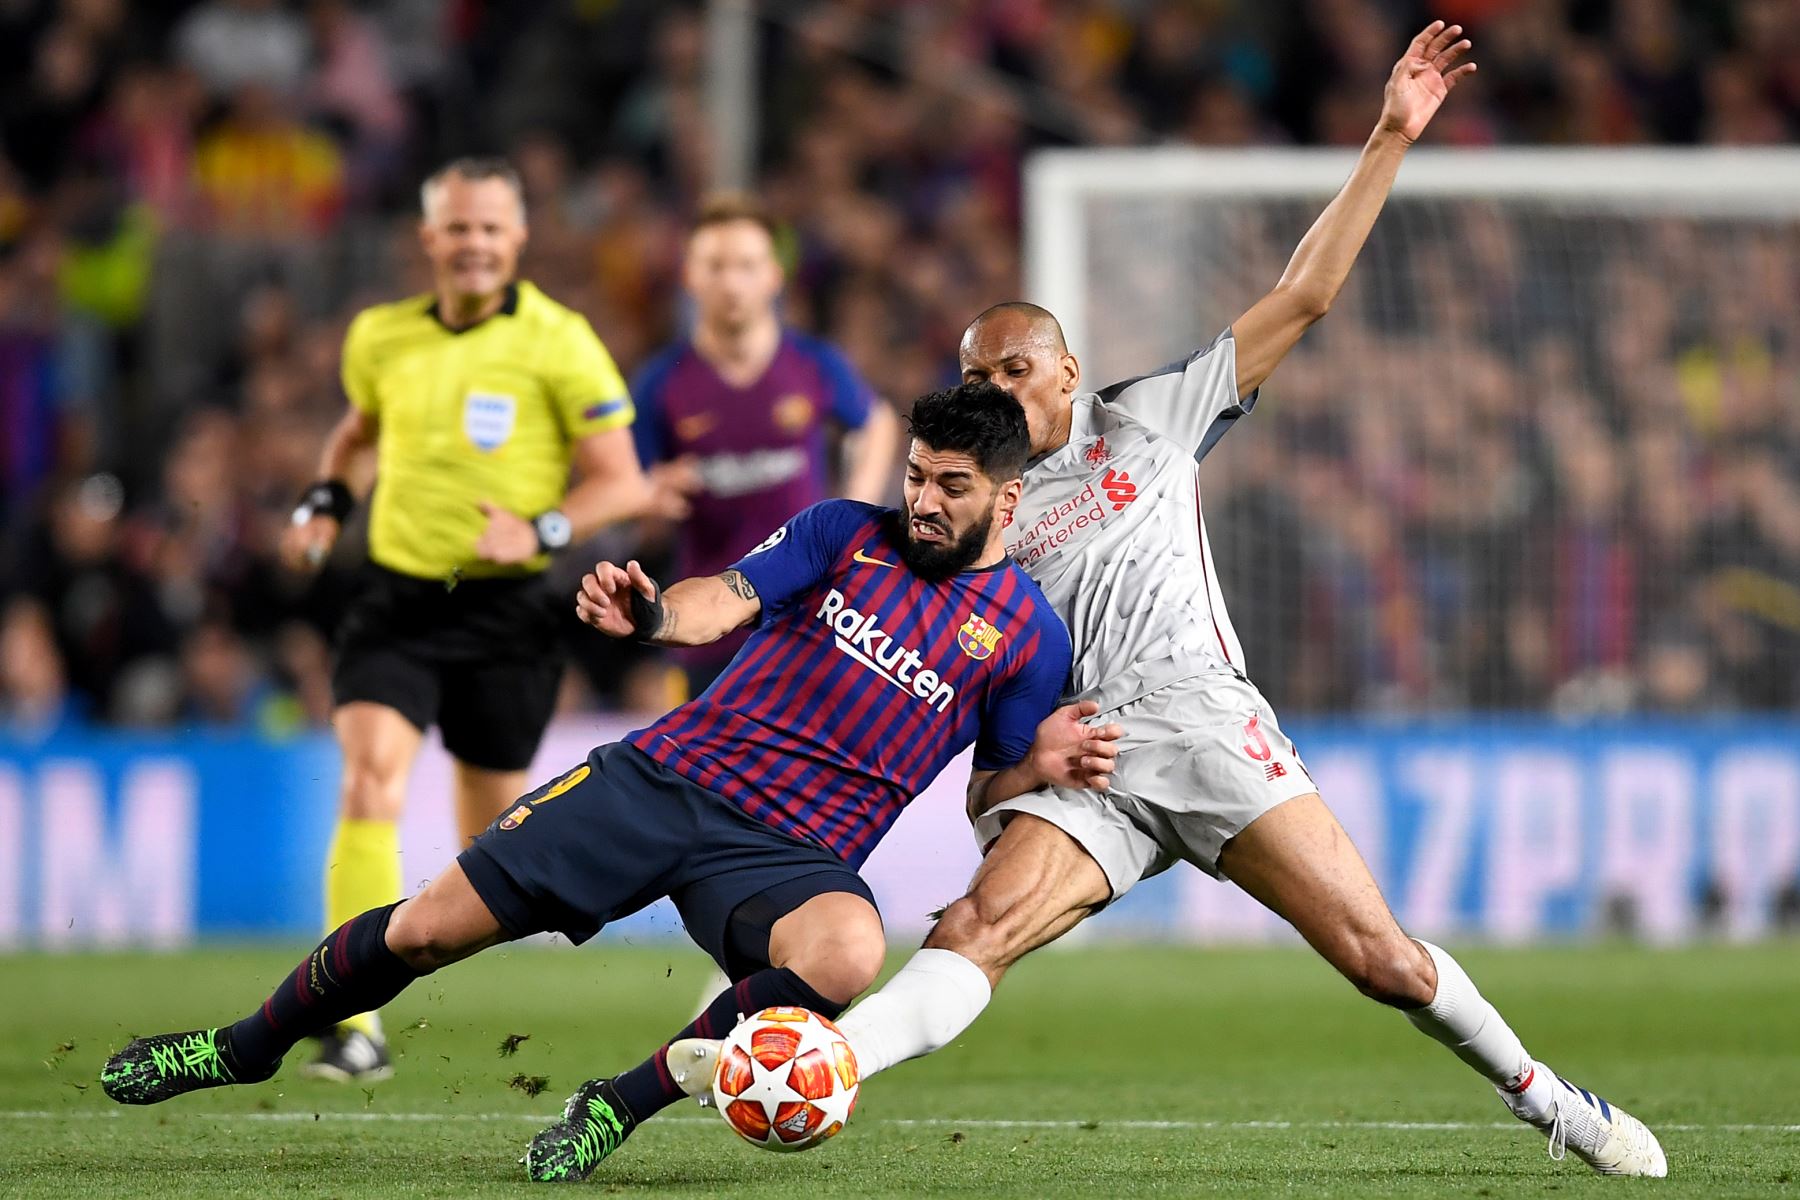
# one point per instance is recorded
(786, 1079)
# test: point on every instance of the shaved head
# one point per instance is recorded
(1037, 323)
(1019, 347)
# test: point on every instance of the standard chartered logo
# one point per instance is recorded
(861, 637)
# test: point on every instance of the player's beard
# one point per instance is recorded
(933, 561)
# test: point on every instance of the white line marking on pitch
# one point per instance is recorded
(950, 1122)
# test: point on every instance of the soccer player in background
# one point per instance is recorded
(1110, 527)
(885, 643)
(751, 403)
(477, 399)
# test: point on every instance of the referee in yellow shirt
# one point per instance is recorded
(478, 399)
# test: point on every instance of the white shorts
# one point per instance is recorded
(1200, 760)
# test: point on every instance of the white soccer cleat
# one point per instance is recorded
(1602, 1135)
(693, 1062)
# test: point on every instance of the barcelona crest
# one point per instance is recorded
(977, 638)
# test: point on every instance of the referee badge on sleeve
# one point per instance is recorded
(488, 419)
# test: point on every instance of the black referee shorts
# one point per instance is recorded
(481, 660)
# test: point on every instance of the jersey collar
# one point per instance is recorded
(1081, 425)
(508, 307)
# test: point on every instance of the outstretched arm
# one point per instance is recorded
(626, 602)
(1419, 82)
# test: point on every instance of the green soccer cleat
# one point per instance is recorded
(153, 1069)
(595, 1124)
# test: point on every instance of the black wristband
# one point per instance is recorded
(646, 615)
(327, 496)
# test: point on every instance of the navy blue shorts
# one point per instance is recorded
(622, 831)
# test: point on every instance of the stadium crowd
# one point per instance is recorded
(194, 198)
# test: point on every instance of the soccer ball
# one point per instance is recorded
(786, 1079)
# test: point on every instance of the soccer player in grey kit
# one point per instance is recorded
(1110, 528)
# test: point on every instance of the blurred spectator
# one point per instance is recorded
(41, 114)
(263, 175)
(353, 91)
(1678, 673)
(1749, 566)
(105, 613)
(303, 663)
(1655, 49)
(222, 685)
(34, 697)
(1592, 571)
(33, 422)
(144, 139)
(232, 43)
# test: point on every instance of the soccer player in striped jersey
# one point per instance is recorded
(1110, 526)
(885, 643)
(751, 404)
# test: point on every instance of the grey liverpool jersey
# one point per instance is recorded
(1110, 527)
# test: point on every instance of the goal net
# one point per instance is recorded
(1543, 454)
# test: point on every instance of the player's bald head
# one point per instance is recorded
(1018, 346)
(1017, 325)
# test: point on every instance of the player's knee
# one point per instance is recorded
(1391, 970)
(844, 967)
(420, 937)
(373, 791)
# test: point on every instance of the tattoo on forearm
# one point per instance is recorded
(740, 586)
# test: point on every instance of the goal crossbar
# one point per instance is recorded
(1754, 183)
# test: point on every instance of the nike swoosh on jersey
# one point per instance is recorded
(860, 557)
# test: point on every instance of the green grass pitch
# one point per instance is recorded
(1097, 1072)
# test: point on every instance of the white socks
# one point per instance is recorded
(1461, 1017)
(936, 996)
(939, 993)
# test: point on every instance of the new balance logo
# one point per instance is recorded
(860, 557)
(861, 637)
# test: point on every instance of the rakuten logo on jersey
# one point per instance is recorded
(1057, 525)
(862, 638)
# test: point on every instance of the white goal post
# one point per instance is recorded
(1061, 186)
(1538, 455)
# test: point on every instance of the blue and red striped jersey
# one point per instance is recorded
(862, 681)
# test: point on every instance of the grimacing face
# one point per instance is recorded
(951, 509)
(732, 273)
(1026, 360)
(473, 232)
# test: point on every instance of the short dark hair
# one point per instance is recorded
(725, 208)
(473, 169)
(977, 419)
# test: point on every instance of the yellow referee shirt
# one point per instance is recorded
(487, 413)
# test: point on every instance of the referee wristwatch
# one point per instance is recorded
(554, 530)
